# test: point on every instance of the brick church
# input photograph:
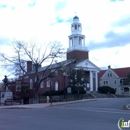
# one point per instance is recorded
(78, 54)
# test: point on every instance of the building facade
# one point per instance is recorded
(78, 55)
(115, 78)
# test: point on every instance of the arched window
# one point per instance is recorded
(49, 82)
(31, 84)
(56, 86)
(42, 84)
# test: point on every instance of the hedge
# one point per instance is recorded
(106, 89)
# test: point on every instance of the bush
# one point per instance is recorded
(76, 90)
(106, 89)
(53, 93)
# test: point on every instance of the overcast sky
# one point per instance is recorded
(106, 25)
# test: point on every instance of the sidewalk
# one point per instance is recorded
(42, 105)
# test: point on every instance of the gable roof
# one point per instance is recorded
(54, 66)
(121, 72)
(101, 73)
(87, 65)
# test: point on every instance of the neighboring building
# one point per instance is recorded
(114, 78)
(78, 55)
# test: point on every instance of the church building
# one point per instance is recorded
(78, 55)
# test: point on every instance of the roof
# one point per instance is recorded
(76, 17)
(121, 72)
(56, 65)
(100, 74)
(87, 64)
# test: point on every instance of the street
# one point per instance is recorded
(102, 114)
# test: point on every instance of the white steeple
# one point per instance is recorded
(76, 39)
(76, 27)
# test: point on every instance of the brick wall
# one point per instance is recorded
(78, 55)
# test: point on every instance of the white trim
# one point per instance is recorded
(91, 81)
(42, 84)
(56, 86)
(96, 76)
(48, 82)
(88, 65)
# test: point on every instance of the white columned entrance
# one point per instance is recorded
(96, 80)
(91, 81)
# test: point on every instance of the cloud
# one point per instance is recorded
(32, 4)
(59, 20)
(116, 0)
(3, 6)
(4, 40)
(60, 5)
(112, 39)
(123, 22)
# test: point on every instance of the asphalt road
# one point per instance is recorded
(102, 114)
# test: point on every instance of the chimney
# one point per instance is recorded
(29, 66)
(109, 66)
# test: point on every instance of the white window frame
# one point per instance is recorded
(48, 82)
(56, 86)
(42, 84)
(105, 82)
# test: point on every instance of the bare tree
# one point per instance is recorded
(46, 55)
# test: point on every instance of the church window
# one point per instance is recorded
(48, 82)
(56, 86)
(42, 84)
(31, 83)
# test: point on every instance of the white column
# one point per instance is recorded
(72, 42)
(84, 42)
(96, 80)
(78, 41)
(91, 81)
(69, 42)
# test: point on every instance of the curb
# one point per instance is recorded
(32, 106)
(71, 102)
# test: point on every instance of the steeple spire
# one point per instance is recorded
(76, 39)
(77, 47)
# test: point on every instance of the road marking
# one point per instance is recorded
(25, 117)
(100, 110)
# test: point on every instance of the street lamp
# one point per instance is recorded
(64, 74)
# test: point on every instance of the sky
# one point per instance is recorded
(105, 23)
